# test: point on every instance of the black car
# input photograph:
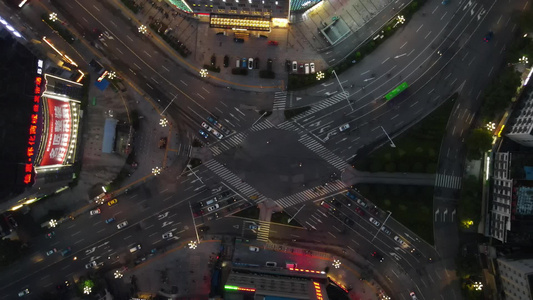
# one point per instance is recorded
(213, 60)
(377, 256)
(226, 61)
(256, 63)
(238, 40)
(269, 64)
(488, 37)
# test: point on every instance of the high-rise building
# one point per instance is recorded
(522, 129)
(516, 278)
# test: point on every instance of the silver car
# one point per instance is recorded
(122, 225)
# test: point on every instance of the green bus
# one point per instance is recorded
(396, 91)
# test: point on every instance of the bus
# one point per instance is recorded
(396, 91)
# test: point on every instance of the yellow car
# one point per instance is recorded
(112, 202)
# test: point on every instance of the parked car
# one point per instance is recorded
(400, 241)
(294, 66)
(51, 251)
(253, 249)
(306, 67)
(374, 221)
(250, 63)
(66, 251)
(226, 61)
(444, 2)
(351, 195)
(110, 220)
(167, 235)
(256, 63)
(359, 211)
(94, 212)
(312, 66)
(244, 63)
(273, 43)
(385, 230)
(413, 296)
(122, 225)
(362, 203)
(24, 292)
(203, 133)
(238, 40)
(112, 202)
(92, 264)
(212, 208)
(135, 248)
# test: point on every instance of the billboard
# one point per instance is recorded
(59, 131)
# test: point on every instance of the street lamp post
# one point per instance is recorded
(347, 100)
(189, 166)
(391, 142)
(379, 229)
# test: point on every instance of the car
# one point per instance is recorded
(359, 211)
(135, 248)
(217, 124)
(306, 67)
(287, 65)
(399, 240)
(294, 66)
(250, 63)
(51, 251)
(203, 133)
(110, 220)
(416, 253)
(212, 208)
(66, 251)
(312, 66)
(213, 60)
(253, 227)
(213, 131)
(244, 63)
(220, 33)
(238, 40)
(325, 205)
(273, 43)
(262, 36)
(167, 235)
(122, 225)
(348, 221)
(362, 203)
(488, 36)
(256, 63)
(254, 249)
(385, 230)
(374, 221)
(112, 202)
(24, 292)
(203, 228)
(351, 196)
(413, 296)
(271, 264)
(95, 212)
(92, 264)
(444, 2)
(238, 63)
(50, 234)
(226, 61)
(269, 64)
(377, 256)
(344, 127)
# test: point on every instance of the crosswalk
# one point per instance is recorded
(234, 181)
(312, 193)
(448, 181)
(264, 231)
(323, 104)
(280, 98)
(323, 152)
(238, 138)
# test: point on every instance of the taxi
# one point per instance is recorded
(112, 202)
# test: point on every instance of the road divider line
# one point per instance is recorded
(332, 235)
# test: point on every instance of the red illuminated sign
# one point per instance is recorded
(58, 137)
(30, 151)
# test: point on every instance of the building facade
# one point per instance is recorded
(521, 130)
(502, 193)
(516, 278)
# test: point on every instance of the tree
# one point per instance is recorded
(478, 142)
(9, 251)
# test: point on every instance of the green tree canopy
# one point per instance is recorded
(479, 141)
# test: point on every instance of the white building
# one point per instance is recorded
(516, 277)
(500, 210)
(521, 130)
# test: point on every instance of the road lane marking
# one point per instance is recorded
(96, 8)
(332, 235)
(163, 191)
(149, 86)
(129, 236)
(385, 60)
(71, 226)
(184, 83)
(154, 80)
(206, 90)
(165, 68)
(200, 96)
(119, 50)
(84, 19)
(419, 27)
(129, 38)
(443, 15)
(147, 53)
(355, 242)
(403, 45)
(167, 198)
(76, 233)
(80, 241)
(427, 35)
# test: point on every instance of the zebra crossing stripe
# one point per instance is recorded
(323, 104)
(310, 194)
(323, 152)
(448, 181)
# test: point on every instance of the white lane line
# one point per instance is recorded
(403, 45)
(200, 96)
(154, 80)
(332, 235)
(80, 241)
(96, 8)
(129, 38)
(165, 68)
(443, 15)
(163, 191)
(84, 19)
(167, 198)
(65, 267)
(137, 66)
(365, 72)
(436, 7)
(151, 234)
(427, 35)
(100, 230)
(419, 27)
(206, 90)
(119, 50)
(395, 117)
(134, 196)
(75, 233)
(410, 52)
(149, 86)
(147, 227)
(355, 242)
(129, 236)
(385, 60)
(147, 53)
(71, 226)
(184, 83)
(219, 110)
(113, 23)
(413, 104)
(223, 104)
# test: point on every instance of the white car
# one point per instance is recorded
(24, 293)
(294, 66)
(312, 65)
(399, 240)
(213, 131)
(250, 63)
(362, 203)
(122, 225)
(167, 235)
(413, 296)
(254, 249)
(92, 264)
(94, 212)
(51, 251)
(212, 208)
(135, 248)
(374, 221)
(306, 68)
(344, 127)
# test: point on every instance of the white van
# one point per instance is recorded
(237, 63)
(306, 68)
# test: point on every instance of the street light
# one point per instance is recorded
(52, 223)
(143, 29)
(347, 100)
(320, 75)
(118, 274)
(53, 17)
(336, 263)
(87, 290)
(523, 59)
(203, 73)
(163, 122)
(111, 75)
(491, 126)
(193, 245)
(400, 19)
(156, 171)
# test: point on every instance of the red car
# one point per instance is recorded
(273, 43)
(359, 211)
